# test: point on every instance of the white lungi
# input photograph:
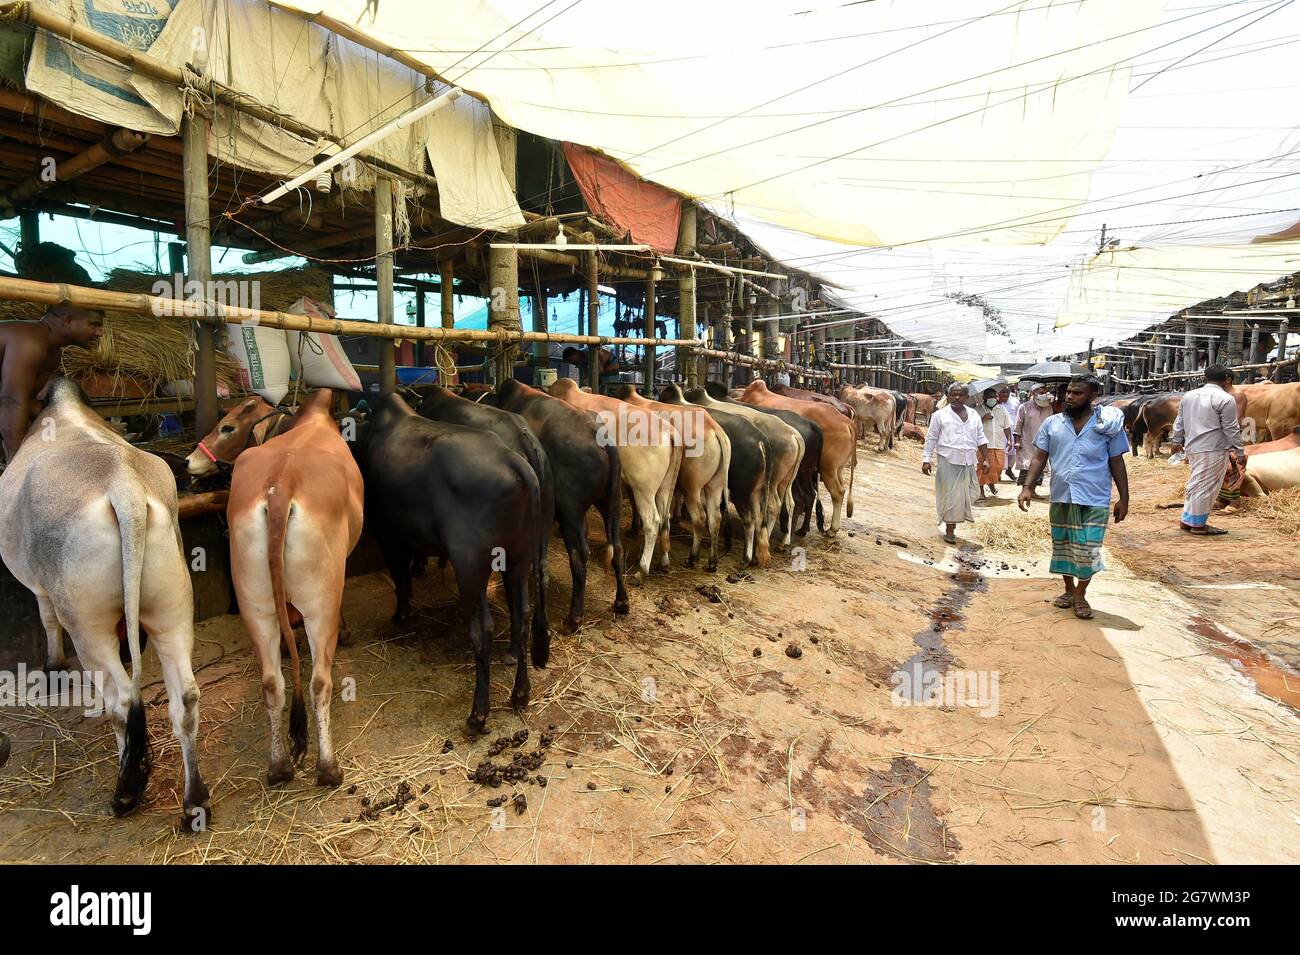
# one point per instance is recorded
(1208, 469)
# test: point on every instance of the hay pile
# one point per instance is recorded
(1011, 531)
(140, 353)
(1281, 509)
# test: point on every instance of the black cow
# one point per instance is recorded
(439, 404)
(457, 493)
(805, 485)
(900, 411)
(748, 476)
(586, 474)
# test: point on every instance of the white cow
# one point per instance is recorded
(88, 523)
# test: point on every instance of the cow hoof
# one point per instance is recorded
(570, 624)
(691, 562)
(477, 723)
(329, 775)
(509, 659)
(519, 699)
(278, 774)
(401, 616)
(636, 579)
(195, 818)
(126, 801)
(711, 567)
(621, 606)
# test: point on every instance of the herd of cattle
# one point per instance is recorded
(476, 480)
(1270, 417)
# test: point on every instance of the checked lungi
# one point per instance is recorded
(1077, 533)
(1203, 485)
(991, 473)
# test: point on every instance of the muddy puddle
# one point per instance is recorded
(1272, 679)
(933, 657)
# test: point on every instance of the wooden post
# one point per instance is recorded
(29, 237)
(384, 280)
(447, 305)
(503, 264)
(648, 365)
(593, 320)
(541, 350)
(1189, 346)
(1211, 352)
(1283, 329)
(198, 241)
(420, 346)
(687, 364)
(1232, 348)
(1255, 357)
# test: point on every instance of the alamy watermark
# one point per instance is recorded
(213, 298)
(917, 686)
(630, 426)
(78, 689)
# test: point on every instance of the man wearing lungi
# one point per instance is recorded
(1086, 445)
(1208, 430)
(1011, 404)
(997, 434)
(957, 434)
(1029, 419)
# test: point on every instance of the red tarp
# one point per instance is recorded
(649, 211)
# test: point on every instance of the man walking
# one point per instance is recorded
(1086, 445)
(957, 434)
(1011, 403)
(997, 435)
(1208, 430)
(1029, 419)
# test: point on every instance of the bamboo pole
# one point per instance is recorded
(198, 240)
(593, 321)
(384, 279)
(648, 365)
(687, 366)
(447, 303)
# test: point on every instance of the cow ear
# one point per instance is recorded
(250, 404)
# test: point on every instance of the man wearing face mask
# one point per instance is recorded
(1011, 402)
(958, 438)
(997, 433)
(1029, 418)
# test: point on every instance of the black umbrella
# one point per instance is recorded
(1053, 371)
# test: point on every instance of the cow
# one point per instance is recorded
(1155, 420)
(749, 476)
(785, 452)
(912, 432)
(1273, 471)
(295, 513)
(89, 525)
(440, 404)
(922, 404)
(905, 410)
(650, 454)
(1132, 421)
(459, 494)
(804, 394)
(839, 449)
(706, 461)
(1274, 409)
(1281, 444)
(587, 474)
(804, 489)
(875, 407)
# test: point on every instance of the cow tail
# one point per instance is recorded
(1139, 429)
(613, 507)
(131, 508)
(853, 467)
(759, 507)
(278, 507)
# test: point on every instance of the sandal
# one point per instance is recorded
(950, 538)
(1064, 601)
(1207, 531)
(1082, 610)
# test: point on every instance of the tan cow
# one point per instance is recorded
(1274, 471)
(88, 524)
(650, 450)
(839, 448)
(876, 409)
(1274, 409)
(702, 479)
(923, 404)
(295, 514)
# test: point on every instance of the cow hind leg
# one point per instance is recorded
(574, 533)
(322, 637)
(472, 586)
(174, 647)
(516, 579)
(98, 651)
(695, 507)
(55, 657)
(264, 630)
(647, 512)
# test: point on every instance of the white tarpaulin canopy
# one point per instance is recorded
(839, 120)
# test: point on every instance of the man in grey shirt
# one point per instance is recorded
(1208, 430)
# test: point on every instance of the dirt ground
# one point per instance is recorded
(772, 725)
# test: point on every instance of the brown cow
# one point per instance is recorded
(295, 514)
(1155, 421)
(1274, 409)
(702, 478)
(875, 407)
(839, 449)
(923, 405)
(843, 407)
(650, 450)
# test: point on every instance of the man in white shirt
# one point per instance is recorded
(997, 434)
(957, 435)
(1208, 430)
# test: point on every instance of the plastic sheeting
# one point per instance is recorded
(651, 213)
(841, 120)
(1148, 285)
(300, 69)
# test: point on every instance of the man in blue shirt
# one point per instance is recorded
(1086, 444)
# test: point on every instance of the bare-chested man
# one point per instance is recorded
(30, 354)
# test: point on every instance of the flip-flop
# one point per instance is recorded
(1083, 611)
(1064, 601)
(950, 538)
